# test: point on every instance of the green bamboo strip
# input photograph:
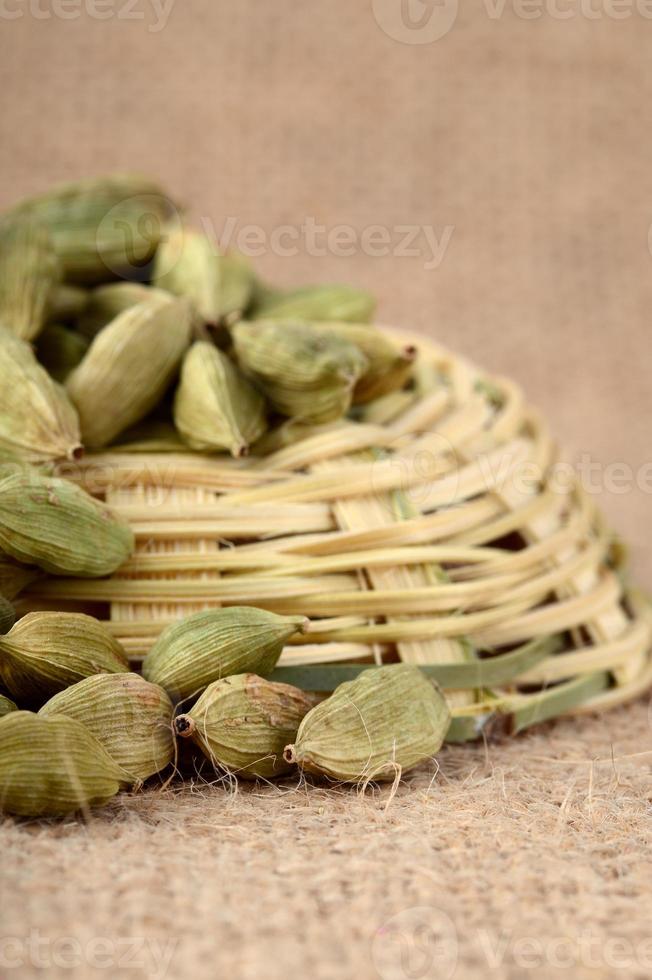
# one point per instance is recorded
(537, 708)
(452, 676)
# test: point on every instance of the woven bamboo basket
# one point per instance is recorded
(430, 529)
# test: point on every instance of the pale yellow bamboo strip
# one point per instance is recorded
(354, 629)
(421, 415)
(354, 479)
(613, 621)
(140, 496)
(642, 680)
(576, 528)
(509, 418)
(496, 527)
(102, 471)
(232, 559)
(274, 562)
(556, 617)
(471, 563)
(605, 656)
(389, 408)
(421, 530)
(558, 576)
(380, 511)
(182, 509)
(324, 653)
(483, 475)
(189, 530)
(438, 480)
(245, 589)
(462, 423)
(345, 439)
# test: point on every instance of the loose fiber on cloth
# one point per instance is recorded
(435, 528)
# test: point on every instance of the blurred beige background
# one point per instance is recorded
(520, 145)
(515, 147)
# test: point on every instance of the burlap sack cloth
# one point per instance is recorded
(516, 148)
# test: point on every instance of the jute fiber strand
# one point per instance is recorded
(432, 528)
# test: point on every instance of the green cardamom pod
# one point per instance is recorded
(14, 577)
(38, 423)
(130, 717)
(6, 706)
(53, 766)
(67, 303)
(60, 349)
(45, 652)
(29, 273)
(215, 408)
(150, 436)
(389, 366)
(188, 264)
(243, 723)
(54, 524)
(107, 302)
(7, 615)
(383, 723)
(237, 285)
(128, 367)
(306, 373)
(191, 654)
(104, 227)
(318, 303)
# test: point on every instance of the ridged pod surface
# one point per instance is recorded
(38, 422)
(7, 615)
(306, 373)
(191, 654)
(107, 302)
(102, 227)
(215, 407)
(128, 367)
(60, 349)
(386, 721)
(14, 577)
(53, 766)
(129, 716)
(6, 706)
(56, 525)
(389, 366)
(29, 273)
(188, 264)
(46, 652)
(243, 723)
(327, 302)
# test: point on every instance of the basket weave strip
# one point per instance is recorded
(431, 529)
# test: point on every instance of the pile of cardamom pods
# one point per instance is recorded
(119, 323)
